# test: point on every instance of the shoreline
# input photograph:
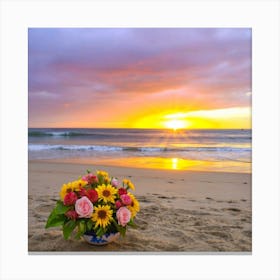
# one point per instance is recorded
(181, 211)
(116, 163)
(69, 161)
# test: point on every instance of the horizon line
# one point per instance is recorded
(137, 128)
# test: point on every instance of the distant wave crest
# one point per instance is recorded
(128, 134)
(102, 148)
(55, 133)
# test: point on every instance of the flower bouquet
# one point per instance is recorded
(96, 207)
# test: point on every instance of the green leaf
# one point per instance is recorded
(121, 229)
(55, 220)
(61, 208)
(132, 224)
(52, 215)
(116, 224)
(81, 229)
(68, 228)
(100, 179)
(89, 224)
(78, 235)
(82, 226)
(100, 231)
(88, 171)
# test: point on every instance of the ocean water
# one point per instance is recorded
(218, 150)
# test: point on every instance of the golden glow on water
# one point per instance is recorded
(174, 163)
(166, 164)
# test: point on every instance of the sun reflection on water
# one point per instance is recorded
(174, 163)
(166, 163)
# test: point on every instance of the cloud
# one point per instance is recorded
(43, 95)
(85, 66)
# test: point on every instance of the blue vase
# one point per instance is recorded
(91, 238)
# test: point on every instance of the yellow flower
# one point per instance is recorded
(125, 181)
(129, 184)
(66, 188)
(106, 179)
(71, 186)
(102, 173)
(134, 207)
(77, 185)
(106, 193)
(102, 215)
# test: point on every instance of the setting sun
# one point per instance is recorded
(175, 124)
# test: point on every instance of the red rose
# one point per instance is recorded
(70, 199)
(90, 178)
(72, 214)
(83, 192)
(92, 195)
(122, 191)
(118, 204)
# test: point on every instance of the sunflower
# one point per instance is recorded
(71, 186)
(102, 215)
(134, 207)
(106, 193)
(77, 185)
(66, 188)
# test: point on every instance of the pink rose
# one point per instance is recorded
(118, 204)
(123, 215)
(84, 207)
(126, 199)
(114, 182)
(72, 214)
(70, 199)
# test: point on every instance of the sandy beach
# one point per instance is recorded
(181, 211)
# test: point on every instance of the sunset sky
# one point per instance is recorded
(139, 78)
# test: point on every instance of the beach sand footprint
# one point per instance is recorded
(232, 209)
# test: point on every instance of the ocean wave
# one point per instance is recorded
(41, 147)
(55, 133)
(102, 148)
(192, 135)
